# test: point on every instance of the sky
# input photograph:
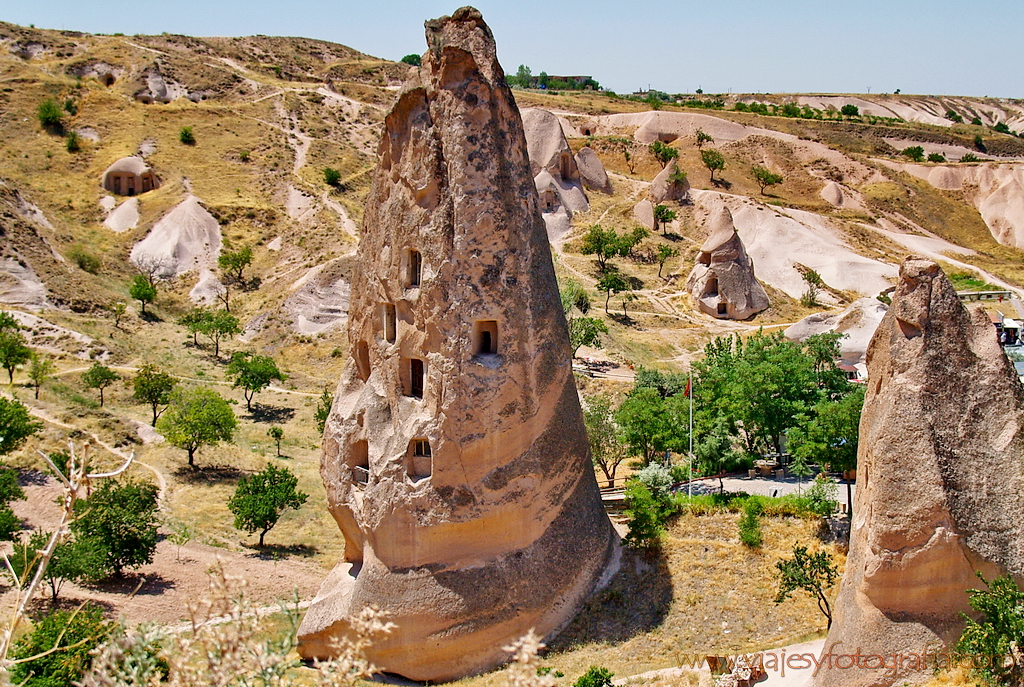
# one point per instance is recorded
(940, 47)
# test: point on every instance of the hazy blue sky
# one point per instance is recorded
(937, 47)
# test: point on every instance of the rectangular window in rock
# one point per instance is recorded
(420, 460)
(413, 373)
(415, 268)
(359, 462)
(390, 328)
(485, 337)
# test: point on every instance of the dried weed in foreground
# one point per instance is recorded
(226, 643)
(522, 670)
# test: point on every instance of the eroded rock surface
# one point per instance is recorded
(592, 171)
(722, 282)
(940, 493)
(455, 458)
(554, 170)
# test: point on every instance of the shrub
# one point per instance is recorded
(849, 110)
(977, 121)
(646, 517)
(412, 59)
(332, 177)
(1002, 128)
(821, 496)
(936, 157)
(969, 157)
(85, 261)
(979, 142)
(1000, 631)
(814, 573)
(244, 155)
(750, 523)
(323, 408)
(187, 136)
(954, 117)
(658, 479)
(595, 677)
(915, 153)
(70, 107)
(77, 633)
(72, 142)
(50, 114)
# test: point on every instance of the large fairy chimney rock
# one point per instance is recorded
(722, 282)
(940, 492)
(554, 170)
(455, 458)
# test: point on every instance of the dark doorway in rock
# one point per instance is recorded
(359, 461)
(485, 337)
(723, 308)
(420, 464)
(416, 374)
(415, 268)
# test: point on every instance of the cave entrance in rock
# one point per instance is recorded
(548, 200)
(359, 461)
(420, 459)
(415, 372)
(711, 288)
(485, 337)
(723, 308)
(565, 166)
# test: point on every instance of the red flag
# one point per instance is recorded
(688, 383)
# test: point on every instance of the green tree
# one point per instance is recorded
(583, 331)
(713, 160)
(73, 560)
(323, 408)
(665, 253)
(260, 500)
(647, 426)
(218, 326)
(1002, 128)
(750, 524)
(606, 446)
(663, 215)
(142, 291)
(765, 177)
(16, 425)
(123, 518)
(118, 310)
(936, 157)
(703, 138)
(236, 261)
(849, 110)
(10, 490)
(40, 368)
(276, 433)
(611, 282)
(196, 417)
(663, 152)
(195, 321)
(13, 351)
(831, 436)
(58, 650)
(998, 633)
(187, 136)
(153, 387)
(253, 373)
(813, 573)
(50, 114)
(99, 377)
(332, 177)
(604, 244)
(412, 59)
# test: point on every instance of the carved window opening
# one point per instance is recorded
(362, 358)
(415, 268)
(390, 326)
(413, 374)
(359, 462)
(420, 460)
(548, 200)
(485, 337)
(711, 289)
(565, 166)
(723, 308)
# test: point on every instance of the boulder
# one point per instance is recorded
(940, 493)
(723, 282)
(592, 171)
(643, 212)
(858, 322)
(455, 458)
(663, 188)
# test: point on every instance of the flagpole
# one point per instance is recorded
(689, 484)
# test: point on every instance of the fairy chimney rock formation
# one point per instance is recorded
(592, 171)
(940, 492)
(554, 170)
(722, 282)
(455, 457)
(665, 187)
